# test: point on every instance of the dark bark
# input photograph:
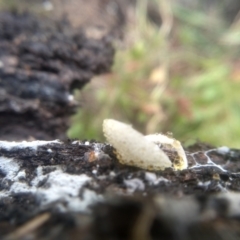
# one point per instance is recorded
(42, 62)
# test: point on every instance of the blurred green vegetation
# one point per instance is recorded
(182, 77)
(33, 6)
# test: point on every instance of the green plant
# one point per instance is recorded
(180, 78)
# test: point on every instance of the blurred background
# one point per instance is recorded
(176, 67)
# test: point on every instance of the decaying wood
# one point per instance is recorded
(87, 194)
(41, 63)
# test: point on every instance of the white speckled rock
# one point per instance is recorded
(133, 148)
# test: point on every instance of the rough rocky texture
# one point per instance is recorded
(79, 190)
(41, 63)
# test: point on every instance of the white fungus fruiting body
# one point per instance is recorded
(180, 162)
(133, 148)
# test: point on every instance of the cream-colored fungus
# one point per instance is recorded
(180, 160)
(135, 149)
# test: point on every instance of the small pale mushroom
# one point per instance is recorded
(136, 150)
(173, 147)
